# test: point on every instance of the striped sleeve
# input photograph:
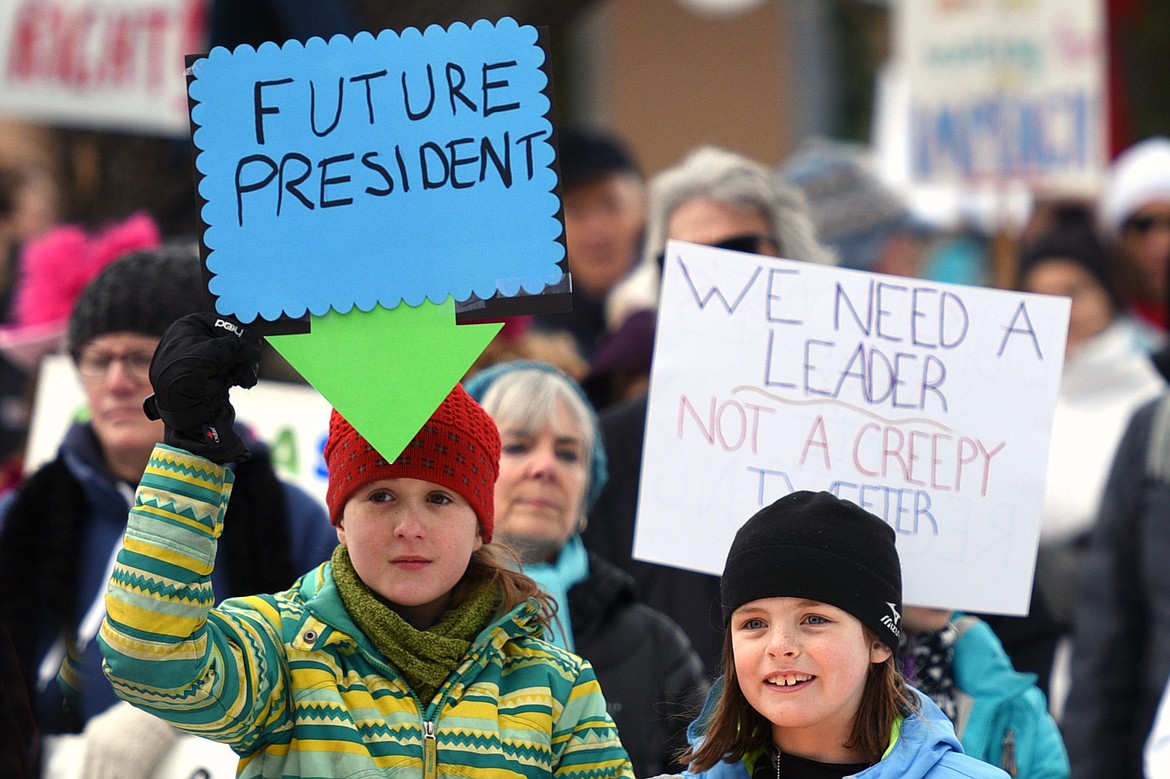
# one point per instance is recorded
(165, 650)
(585, 739)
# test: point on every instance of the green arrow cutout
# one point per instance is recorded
(385, 370)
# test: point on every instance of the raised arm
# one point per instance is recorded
(215, 673)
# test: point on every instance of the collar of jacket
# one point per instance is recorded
(325, 620)
(606, 587)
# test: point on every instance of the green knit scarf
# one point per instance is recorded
(424, 657)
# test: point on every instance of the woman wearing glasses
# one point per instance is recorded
(1134, 213)
(720, 198)
(60, 530)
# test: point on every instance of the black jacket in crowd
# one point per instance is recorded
(653, 681)
(1121, 626)
(689, 598)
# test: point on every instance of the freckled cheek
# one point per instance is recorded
(747, 660)
(370, 537)
(447, 544)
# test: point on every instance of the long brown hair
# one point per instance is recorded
(735, 729)
(496, 563)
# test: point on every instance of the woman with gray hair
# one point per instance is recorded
(552, 466)
(718, 198)
(699, 200)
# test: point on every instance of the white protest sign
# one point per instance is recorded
(113, 64)
(928, 404)
(1004, 92)
(191, 757)
(293, 419)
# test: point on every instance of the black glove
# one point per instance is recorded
(200, 357)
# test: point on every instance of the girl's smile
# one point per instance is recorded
(803, 664)
(788, 680)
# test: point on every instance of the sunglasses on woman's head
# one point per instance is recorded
(752, 243)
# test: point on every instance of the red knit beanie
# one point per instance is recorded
(458, 448)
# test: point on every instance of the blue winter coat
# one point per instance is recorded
(1008, 712)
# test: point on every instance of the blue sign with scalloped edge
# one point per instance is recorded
(379, 170)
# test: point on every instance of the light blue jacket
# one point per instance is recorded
(1005, 710)
(926, 748)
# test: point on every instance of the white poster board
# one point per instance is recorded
(928, 404)
(115, 64)
(1004, 92)
(190, 758)
(293, 419)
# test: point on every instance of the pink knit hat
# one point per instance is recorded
(458, 448)
(55, 268)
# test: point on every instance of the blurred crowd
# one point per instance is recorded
(1080, 680)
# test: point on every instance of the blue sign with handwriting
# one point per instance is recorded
(379, 170)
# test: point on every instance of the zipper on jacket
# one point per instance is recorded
(1008, 763)
(430, 750)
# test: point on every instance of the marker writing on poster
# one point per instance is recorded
(381, 100)
(879, 346)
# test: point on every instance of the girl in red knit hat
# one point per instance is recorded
(417, 650)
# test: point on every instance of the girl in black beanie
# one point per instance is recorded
(812, 601)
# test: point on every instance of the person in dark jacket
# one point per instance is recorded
(1121, 620)
(1121, 629)
(552, 464)
(60, 530)
(605, 210)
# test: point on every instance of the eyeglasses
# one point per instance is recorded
(1143, 225)
(751, 243)
(95, 365)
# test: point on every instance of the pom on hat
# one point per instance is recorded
(814, 545)
(143, 292)
(458, 448)
(1138, 177)
(54, 270)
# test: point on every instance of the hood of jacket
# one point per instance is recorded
(926, 740)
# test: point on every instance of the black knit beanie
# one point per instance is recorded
(586, 155)
(1076, 244)
(814, 545)
(143, 292)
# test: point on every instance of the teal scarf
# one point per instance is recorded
(557, 578)
(424, 657)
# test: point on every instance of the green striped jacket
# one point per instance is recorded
(295, 688)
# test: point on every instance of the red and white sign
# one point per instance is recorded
(102, 64)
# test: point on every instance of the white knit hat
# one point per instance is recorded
(1139, 176)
